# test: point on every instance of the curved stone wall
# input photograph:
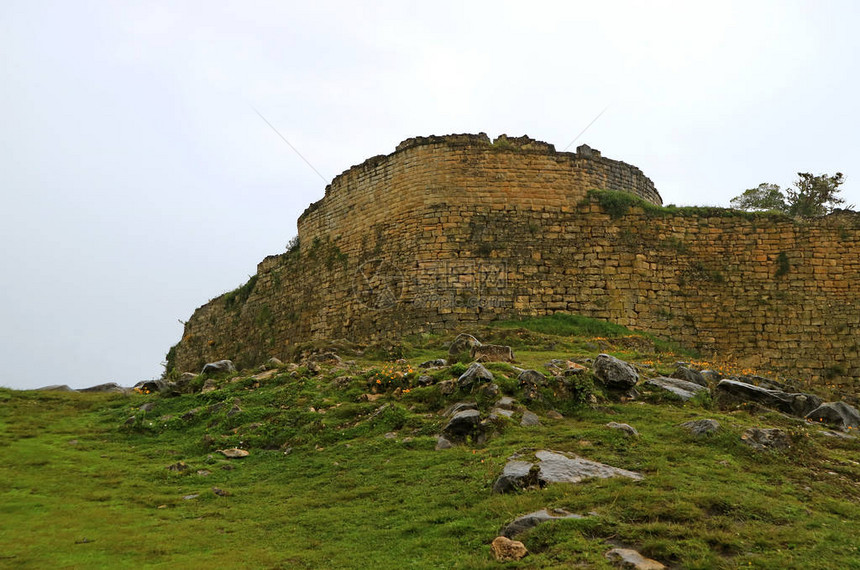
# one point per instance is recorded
(450, 232)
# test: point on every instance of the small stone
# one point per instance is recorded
(209, 386)
(763, 439)
(531, 378)
(628, 558)
(625, 428)
(506, 403)
(447, 387)
(234, 453)
(701, 427)
(390, 435)
(554, 415)
(178, 467)
(425, 380)
(463, 424)
(529, 419)
(204, 472)
(189, 497)
(525, 522)
(475, 374)
(505, 549)
(435, 363)
(442, 443)
(221, 492)
(218, 366)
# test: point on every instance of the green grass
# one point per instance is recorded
(81, 489)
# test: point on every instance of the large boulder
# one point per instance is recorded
(681, 388)
(730, 392)
(553, 467)
(462, 347)
(615, 374)
(492, 353)
(218, 366)
(837, 414)
(474, 375)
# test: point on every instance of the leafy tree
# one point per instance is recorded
(810, 196)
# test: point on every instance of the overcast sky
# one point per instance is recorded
(138, 182)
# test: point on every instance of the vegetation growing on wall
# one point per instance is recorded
(237, 297)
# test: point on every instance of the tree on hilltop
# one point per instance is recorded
(811, 196)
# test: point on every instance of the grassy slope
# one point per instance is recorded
(79, 490)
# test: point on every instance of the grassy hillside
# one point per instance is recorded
(336, 479)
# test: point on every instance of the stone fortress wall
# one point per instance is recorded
(447, 233)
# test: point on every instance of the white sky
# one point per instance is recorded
(137, 182)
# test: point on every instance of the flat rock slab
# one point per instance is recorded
(681, 388)
(628, 558)
(701, 427)
(555, 467)
(523, 523)
(798, 404)
(234, 453)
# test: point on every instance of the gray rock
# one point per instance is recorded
(615, 374)
(492, 353)
(106, 387)
(506, 403)
(459, 407)
(525, 522)
(681, 388)
(218, 366)
(490, 391)
(628, 558)
(837, 414)
(274, 362)
(701, 427)
(689, 375)
(531, 378)
(442, 443)
(435, 363)
(447, 387)
(730, 392)
(763, 439)
(711, 376)
(625, 428)
(517, 475)
(425, 380)
(529, 419)
(553, 467)
(463, 424)
(560, 468)
(461, 347)
(209, 386)
(55, 388)
(474, 375)
(496, 413)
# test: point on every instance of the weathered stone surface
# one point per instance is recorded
(425, 380)
(106, 387)
(628, 558)
(689, 375)
(218, 366)
(461, 347)
(209, 386)
(506, 403)
(55, 388)
(625, 428)
(614, 373)
(525, 522)
(435, 363)
(701, 427)
(711, 376)
(529, 419)
(763, 439)
(459, 407)
(178, 467)
(496, 413)
(274, 362)
(681, 388)
(531, 378)
(462, 424)
(474, 375)
(447, 387)
(732, 391)
(234, 453)
(443, 443)
(490, 390)
(553, 467)
(492, 353)
(505, 549)
(837, 414)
